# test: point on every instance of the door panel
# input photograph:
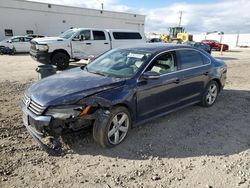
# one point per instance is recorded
(82, 45)
(26, 44)
(194, 74)
(16, 42)
(100, 42)
(193, 83)
(157, 96)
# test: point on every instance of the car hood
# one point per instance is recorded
(70, 86)
(45, 40)
(3, 43)
(6, 44)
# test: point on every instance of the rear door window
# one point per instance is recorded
(126, 35)
(206, 60)
(99, 35)
(190, 58)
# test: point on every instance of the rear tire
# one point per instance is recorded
(61, 60)
(210, 95)
(115, 130)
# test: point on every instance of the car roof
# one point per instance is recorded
(19, 37)
(110, 30)
(155, 47)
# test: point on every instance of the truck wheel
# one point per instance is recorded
(114, 131)
(61, 60)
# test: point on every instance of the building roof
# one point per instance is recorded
(50, 7)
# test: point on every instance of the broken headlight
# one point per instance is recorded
(65, 112)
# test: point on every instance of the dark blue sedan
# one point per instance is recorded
(120, 89)
(199, 45)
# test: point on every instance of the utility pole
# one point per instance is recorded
(180, 18)
(237, 39)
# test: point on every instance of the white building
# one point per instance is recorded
(19, 17)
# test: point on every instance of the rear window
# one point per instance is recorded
(190, 58)
(99, 35)
(126, 35)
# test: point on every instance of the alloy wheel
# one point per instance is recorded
(118, 128)
(212, 94)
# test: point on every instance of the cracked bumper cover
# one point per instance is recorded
(38, 125)
(35, 125)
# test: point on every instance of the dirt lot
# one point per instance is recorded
(194, 147)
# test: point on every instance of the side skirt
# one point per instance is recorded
(165, 113)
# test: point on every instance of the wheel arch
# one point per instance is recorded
(59, 51)
(217, 80)
(129, 109)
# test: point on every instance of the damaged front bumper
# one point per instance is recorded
(35, 126)
(46, 126)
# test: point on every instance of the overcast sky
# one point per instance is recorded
(229, 16)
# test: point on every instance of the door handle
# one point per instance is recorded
(88, 43)
(206, 73)
(173, 80)
(177, 81)
(106, 43)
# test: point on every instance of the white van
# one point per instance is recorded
(81, 43)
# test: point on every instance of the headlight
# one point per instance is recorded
(42, 47)
(65, 112)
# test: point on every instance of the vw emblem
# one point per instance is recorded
(27, 102)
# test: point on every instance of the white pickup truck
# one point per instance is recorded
(80, 43)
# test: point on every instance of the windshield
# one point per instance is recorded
(67, 34)
(118, 63)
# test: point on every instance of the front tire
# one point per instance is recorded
(61, 60)
(210, 95)
(115, 130)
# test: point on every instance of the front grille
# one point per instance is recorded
(33, 106)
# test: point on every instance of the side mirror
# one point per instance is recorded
(82, 37)
(79, 38)
(149, 75)
(76, 39)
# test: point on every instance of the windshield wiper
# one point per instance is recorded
(99, 73)
(103, 74)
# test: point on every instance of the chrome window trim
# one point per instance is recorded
(176, 70)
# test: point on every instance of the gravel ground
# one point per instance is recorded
(194, 147)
